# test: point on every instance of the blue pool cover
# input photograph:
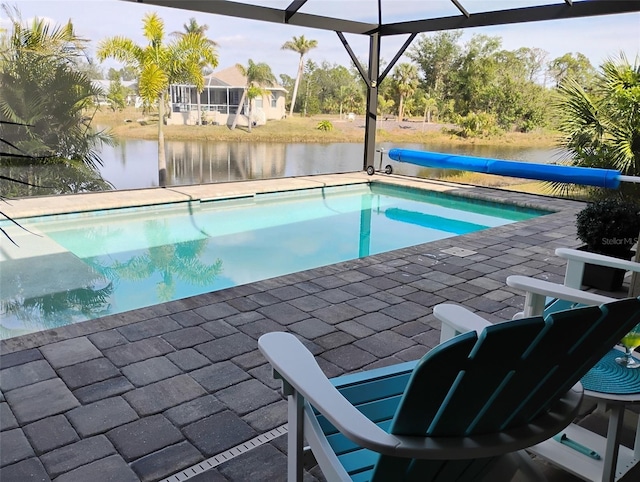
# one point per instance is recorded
(586, 176)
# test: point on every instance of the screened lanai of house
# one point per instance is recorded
(377, 19)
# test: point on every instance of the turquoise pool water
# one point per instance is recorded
(107, 262)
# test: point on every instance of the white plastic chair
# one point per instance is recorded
(539, 293)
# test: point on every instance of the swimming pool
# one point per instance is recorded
(105, 262)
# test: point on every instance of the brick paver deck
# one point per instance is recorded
(145, 394)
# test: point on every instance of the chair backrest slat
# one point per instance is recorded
(535, 382)
(505, 378)
(376, 389)
(494, 361)
(423, 398)
(617, 319)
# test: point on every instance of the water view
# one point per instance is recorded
(132, 164)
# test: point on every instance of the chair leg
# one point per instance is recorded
(533, 304)
(573, 274)
(528, 467)
(295, 437)
(509, 466)
(616, 417)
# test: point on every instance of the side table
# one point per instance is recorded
(586, 454)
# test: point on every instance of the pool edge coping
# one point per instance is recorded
(24, 208)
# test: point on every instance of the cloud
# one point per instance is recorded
(231, 39)
(6, 22)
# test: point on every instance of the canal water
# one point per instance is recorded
(132, 163)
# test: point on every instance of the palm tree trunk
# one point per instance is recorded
(401, 108)
(162, 158)
(306, 97)
(199, 110)
(30, 180)
(295, 86)
(235, 119)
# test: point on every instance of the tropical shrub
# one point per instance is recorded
(477, 125)
(601, 126)
(609, 226)
(117, 95)
(325, 125)
(46, 138)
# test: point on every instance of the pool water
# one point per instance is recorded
(107, 262)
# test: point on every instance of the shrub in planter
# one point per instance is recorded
(609, 227)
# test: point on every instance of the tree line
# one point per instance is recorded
(446, 81)
(477, 83)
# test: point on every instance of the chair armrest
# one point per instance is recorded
(456, 319)
(576, 260)
(599, 259)
(297, 367)
(536, 292)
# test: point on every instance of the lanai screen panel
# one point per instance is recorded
(394, 17)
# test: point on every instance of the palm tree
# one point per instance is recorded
(384, 105)
(347, 97)
(193, 27)
(44, 100)
(253, 92)
(405, 76)
(257, 75)
(158, 65)
(430, 106)
(601, 127)
(301, 46)
(203, 55)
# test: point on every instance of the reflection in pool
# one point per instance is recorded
(105, 262)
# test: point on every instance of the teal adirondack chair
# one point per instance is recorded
(453, 415)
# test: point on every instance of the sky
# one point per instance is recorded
(599, 38)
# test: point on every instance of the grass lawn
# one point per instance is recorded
(133, 124)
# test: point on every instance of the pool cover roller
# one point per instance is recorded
(587, 176)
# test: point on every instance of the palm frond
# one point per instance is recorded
(121, 49)
(153, 81)
(153, 28)
(43, 101)
(601, 128)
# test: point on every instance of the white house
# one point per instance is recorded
(220, 98)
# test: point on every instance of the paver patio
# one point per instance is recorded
(145, 394)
